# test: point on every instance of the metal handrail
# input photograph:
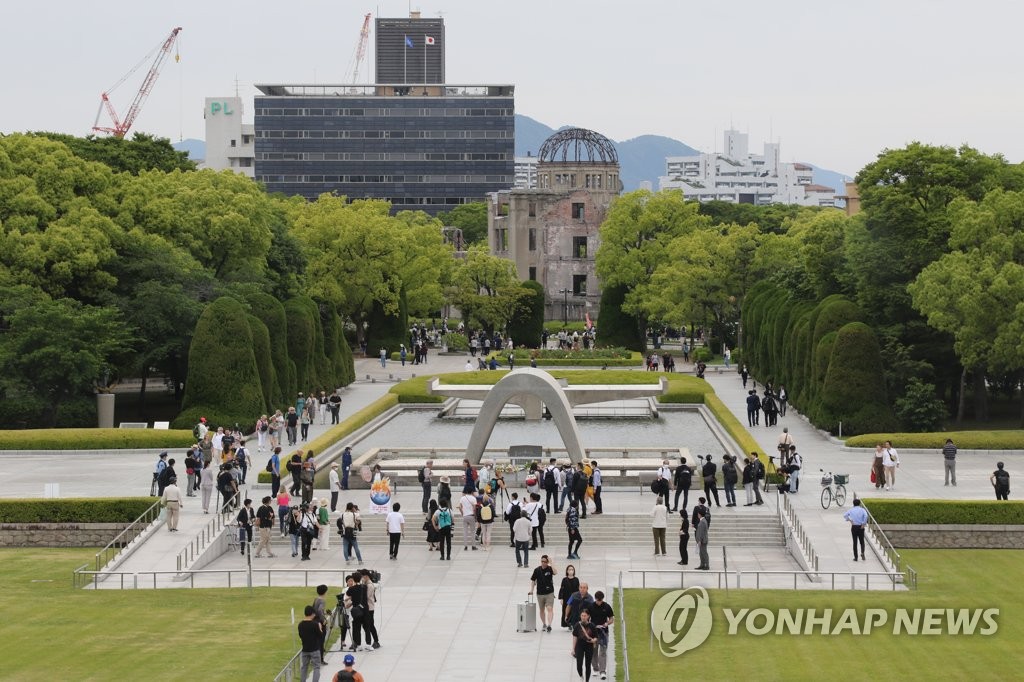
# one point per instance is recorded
(622, 628)
(894, 557)
(787, 514)
(206, 536)
(292, 669)
(809, 575)
(122, 539)
(132, 577)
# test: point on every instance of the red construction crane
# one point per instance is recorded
(120, 128)
(364, 37)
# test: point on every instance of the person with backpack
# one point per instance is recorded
(485, 517)
(242, 460)
(730, 476)
(262, 427)
(308, 530)
(565, 476)
(512, 513)
(425, 477)
(1000, 480)
(469, 478)
(200, 429)
(161, 463)
(442, 522)
(531, 511)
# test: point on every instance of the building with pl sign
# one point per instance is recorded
(229, 142)
(739, 177)
(551, 233)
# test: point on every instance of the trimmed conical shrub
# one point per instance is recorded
(271, 313)
(526, 327)
(614, 327)
(223, 381)
(854, 388)
(261, 350)
(387, 331)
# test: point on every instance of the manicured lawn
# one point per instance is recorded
(955, 579)
(51, 631)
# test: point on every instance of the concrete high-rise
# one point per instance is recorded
(410, 51)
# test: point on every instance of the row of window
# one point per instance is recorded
(385, 111)
(387, 134)
(591, 180)
(376, 156)
(387, 179)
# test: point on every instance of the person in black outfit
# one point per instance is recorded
(164, 479)
(550, 481)
(684, 538)
(744, 373)
(579, 490)
(355, 601)
(683, 478)
(295, 467)
(570, 585)
(226, 486)
(753, 408)
(310, 633)
(710, 485)
(245, 519)
(584, 637)
(698, 509)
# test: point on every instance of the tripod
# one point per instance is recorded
(769, 469)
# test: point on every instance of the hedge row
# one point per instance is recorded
(828, 360)
(74, 510)
(966, 440)
(731, 424)
(682, 388)
(94, 439)
(993, 512)
(562, 354)
(337, 433)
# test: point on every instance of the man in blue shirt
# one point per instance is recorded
(858, 518)
(346, 466)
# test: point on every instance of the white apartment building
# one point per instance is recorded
(526, 172)
(229, 142)
(737, 176)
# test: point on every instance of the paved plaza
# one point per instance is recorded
(456, 620)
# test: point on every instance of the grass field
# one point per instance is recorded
(51, 631)
(973, 579)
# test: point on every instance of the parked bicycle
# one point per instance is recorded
(833, 487)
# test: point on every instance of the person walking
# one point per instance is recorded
(664, 478)
(890, 461)
(350, 672)
(878, 467)
(708, 472)
(310, 634)
(572, 526)
(264, 524)
(172, 500)
(857, 515)
(245, 518)
(521, 531)
(543, 582)
(348, 523)
(603, 618)
(659, 523)
(1000, 480)
(485, 518)
(949, 461)
(396, 530)
(701, 536)
(569, 586)
(442, 521)
(684, 538)
(584, 637)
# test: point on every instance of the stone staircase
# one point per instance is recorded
(736, 527)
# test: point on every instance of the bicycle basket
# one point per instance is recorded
(826, 480)
(842, 479)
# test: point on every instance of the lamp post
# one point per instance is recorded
(565, 306)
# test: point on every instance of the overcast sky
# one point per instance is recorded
(834, 82)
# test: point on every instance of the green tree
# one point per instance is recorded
(486, 289)
(57, 349)
(527, 324)
(634, 243)
(854, 390)
(470, 218)
(223, 379)
(141, 152)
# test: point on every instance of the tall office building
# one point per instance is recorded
(430, 150)
(410, 50)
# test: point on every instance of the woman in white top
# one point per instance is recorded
(890, 460)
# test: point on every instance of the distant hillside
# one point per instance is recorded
(641, 158)
(196, 148)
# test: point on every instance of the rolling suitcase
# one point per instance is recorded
(526, 615)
